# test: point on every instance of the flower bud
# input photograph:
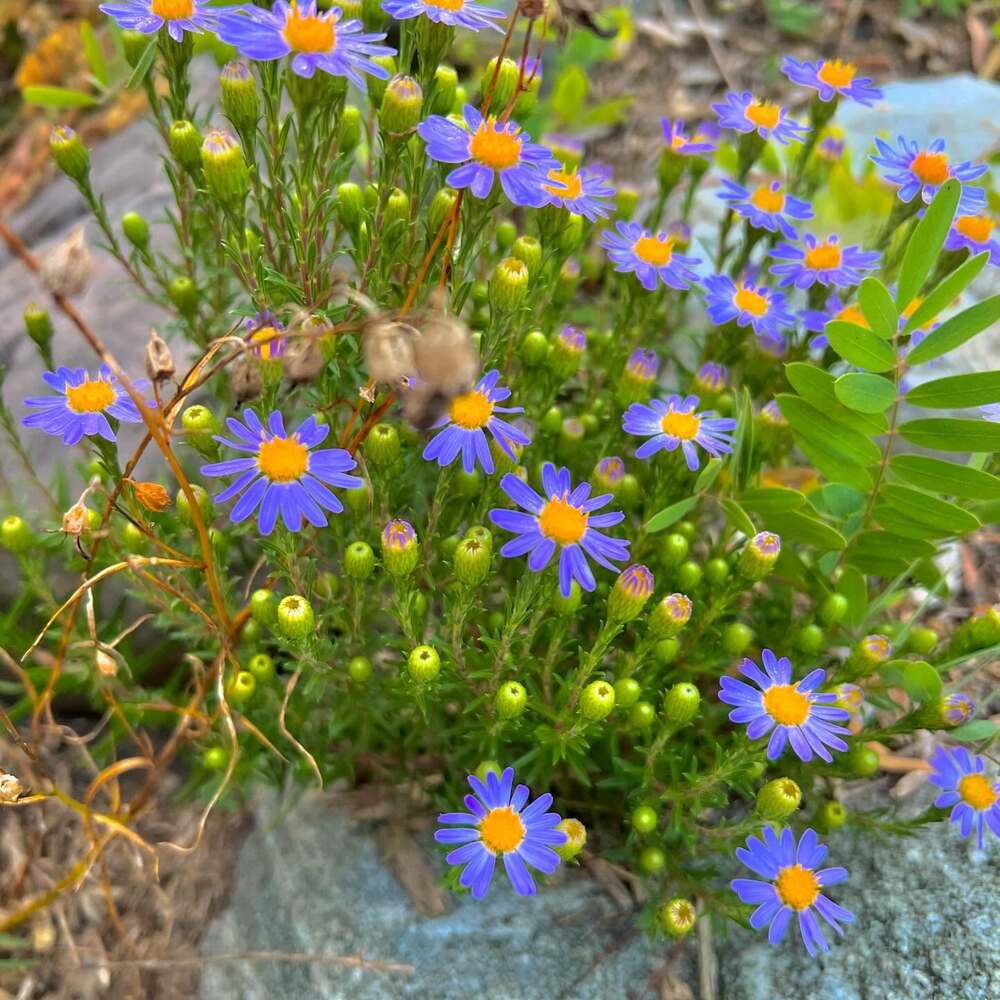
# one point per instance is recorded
(670, 169)
(70, 154)
(396, 215)
(440, 209)
(778, 799)
(665, 651)
(642, 715)
(350, 205)
(831, 816)
(567, 605)
(226, 174)
(264, 606)
(570, 232)
(382, 446)
(241, 688)
(133, 540)
(215, 758)
(652, 860)
(509, 285)
(566, 282)
(629, 595)
(349, 129)
(204, 501)
(486, 768)
(359, 669)
(295, 617)
(262, 667)
(571, 433)
(669, 616)
(38, 326)
(400, 548)
(678, 917)
(922, 640)
(945, 713)
(472, 561)
(567, 350)
(736, 637)
(597, 701)
(810, 639)
(689, 575)
(423, 664)
(674, 549)
(359, 561)
(402, 107)
(136, 229)
(862, 761)
(15, 534)
(627, 691)
(716, 572)
(65, 269)
(608, 473)
(636, 381)
(710, 380)
(868, 655)
(505, 86)
(759, 555)
(200, 426)
(534, 348)
(184, 295)
(240, 100)
(626, 201)
(644, 820)
(681, 703)
(185, 143)
(576, 839)
(376, 86)
(629, 492)
(529, 251)
(511, 700)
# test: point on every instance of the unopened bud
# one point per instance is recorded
(445, 87)
(200, 426)
(70, 154)
(400, 548)
(401, 108)
(202, 499)
(264, 606)
(627, 691)
(759, 555)
(226, 174)
(636, 381)
(134, 45)
(296, 619)
(423, 664)
(511, 700)
(359, 560)
(681, 703)
(262, 667)
(15, 534)
(440, 209)
(65, 269)
(678, 917)
(350, 205)
(669, 616)
(567, 351)
(576, 839)
(629, 594)
(38, 325)
(382, 446)
(597, 701)
(472, 561)
(349, 129)
(375, 84)
(136, 229)
(240, 100)
(567, 605)
(509, 285)
(831, 816)
(710, 380)
(185, 143)
(869, 654)
(241, 688)
(778, 799)
(506, 83)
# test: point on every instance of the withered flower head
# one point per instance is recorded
(11, 788)
(388, 347)
(159, 360)
(65, 269)
(75, 520)
(245, 381)
(152, 496)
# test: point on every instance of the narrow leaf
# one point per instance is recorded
(770, 500)
(860, 347)
(878, 307)
(94, 53)
(957, 391)
(816, 386)
(886, 544)
(57, 97)
(941, 434)
(820, 427)
(738, 517)
(955, 331)
(900, 523)
(929, 509)
(808, 530)
(946, 292)
(864, 392)
(142, 66)
(926, 240)
(708, 475)
(974, 732)
(946, 477)
(669, 515)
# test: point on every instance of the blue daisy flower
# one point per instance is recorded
(563, 519)
(649, 257)
(766, 207)
(314, 39)
(282, 473)
(976, 799)
(675, 423)
(266, 332)
(455, 13)
(975, 234)
(748, 304)
(702, 142)
(469, 416)
(500, 823)
(711, 378)
(794, 885)
(744, 113)
(584, 192)
(916, 170)
(832, 78)
(148, 16)
(797, 713)
(485, 148)
(83, 405)
(828, 262)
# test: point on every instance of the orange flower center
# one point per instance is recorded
(445, 4)
(837, 73)
(496, 149)
(763, 114)
(171, 10)
(767, 200)
(786, 705)
(931, 168)
(573, 184)
(797, 887)
(823, 257)
(283, 459)
(656, 250)
(470, 410)
(562, 522)
(747, 300)
(977, 228)
(681, 425)
(90, 397)
(977, 791)
(501, 830)
(852, 314)
(309, 32)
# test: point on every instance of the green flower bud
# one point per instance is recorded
(241, 688)
(571, 434)
(486, 768)
(642, 715)
(834, 609)
(185, 142)
(868, 655)
(509, 285)
(440, 209)
(716, 572)
(262, 667)
(377, 87)
(349, 129)
(759, 555)
(922, 640)
(506, 234)
(445, 87)
(359, 561)
(608, 474)
(678, 917)
(400, 548)
(736, 637)
(552, 420)
(862, 761)
(567, 605)
(402, 107)
(200, 426)
(831, 816)
(240, 100)
(132, 538)
(680, 704)
(576, 839)
(482, 534)
(566, 351)
(204, 501)
(295, 617)
(184, 295)
(630, 593)
(566, 282)
(136, 229)
(511, 700)
(670, 169)
(644, 819)
(670, 615)
(350, 204)
(424, 664)
(533, 349)
(134, 45)
(665, 651)
(396, 215)
(778, 799)
(945, 713)
(472, 561)
(15, 534)
(505, 86)
(687, 528)
(652, 860)
(214, 758)
(810, 639)
(264, 606)
(597, 701)
(382, 446)
(629, 492)
(529, 251)
(70, 154)
(38, 325)
(359, 500)
(226, 174)
(251, 633)
(571, 232)
(627, 691)
(527, 98)
(626, 201)
(689, 575)
(359, 669)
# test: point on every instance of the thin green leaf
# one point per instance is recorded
(94, 53)
(142, 66)
(925, 242)
(808, 530)
(957, 391)
(878, 307)
(883, 566)
(888, 545)
(57, 97)
(865, 392)
(853, 586)
(974, 732)
(669, 515)
(840, 500)
(955, 331)
(942, 434)
(894, 520)
(771, 500)
(860, 347)
(833, 465)
(929, 509)
(818, 426)
(946, 477)
(738, 517)
(816, 386)
(920, 680)
(946, 292)
(708, 475)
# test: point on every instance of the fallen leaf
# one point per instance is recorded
(408, 863)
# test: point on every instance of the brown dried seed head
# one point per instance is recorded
(11, 788)
(65, 269)
(445, 354)
(303, 360)
(75, 520)
(531, 9)
(152, 496)
(159, 360)
(388, 347)
(107, 665)
(245, 381)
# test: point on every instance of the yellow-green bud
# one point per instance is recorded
(571, 232)
(226, 174)
(240, 100)
(680, 705)
(630, 593)
(945, 713)
(644, 820)
(571, 433)
(534, 348)
(862, 761)
(678, 917)
(241, 688)
(486, 768)
(652, 860)
(359, 561)
(810, 639)
(670, 169)
(204, 501)
(566, 282)
(527, 98)
(627, 691)
(296, 619)
(778, 799)
(360, 669)
(481, 534)
(185, 143)
(736, 637)
(262, 667)
(670, 615)
(509, 285)
(359, 500)
(215, 758)
(199, 425)
(376, 86)
(511, 700)
(350, 205)
(396, 216)
(831, 816)
(472, 561)
(528, 250)
(423, 664)
(70, 154)
(15, 534)
(759, 555)
(382, 445)
(184, 295)
(264, 606)
(506, 234)
(576, 839)
(349, 129)
(566, 351)
(440, 209)
(505, 86)
(400, 548)
(445, 86)
(642, 715)
(597, 701)
(461, 99)
(567, 605)
(468, 484)
(401, 108)
(626, 201)
(136, 229)
(834, 609)
(38, 325)
(132, 538)
(868, 655)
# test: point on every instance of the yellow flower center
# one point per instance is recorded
(501, 830)
(747, 300)
(265, 337)
(681, 425)
(90, 397)
(656, 250)
(931, 168)
(797, 887)
(837, 73)
(767, 200)
(445, 4)
(283, 459)
(309, 32)
(764, 114)
(823, 257)
(852, 314)
(573, 184)
(470, 410)
(977, 228)
(171, 10)
(977, 791)
(786, 705)
(562, 522)
(496, 149)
